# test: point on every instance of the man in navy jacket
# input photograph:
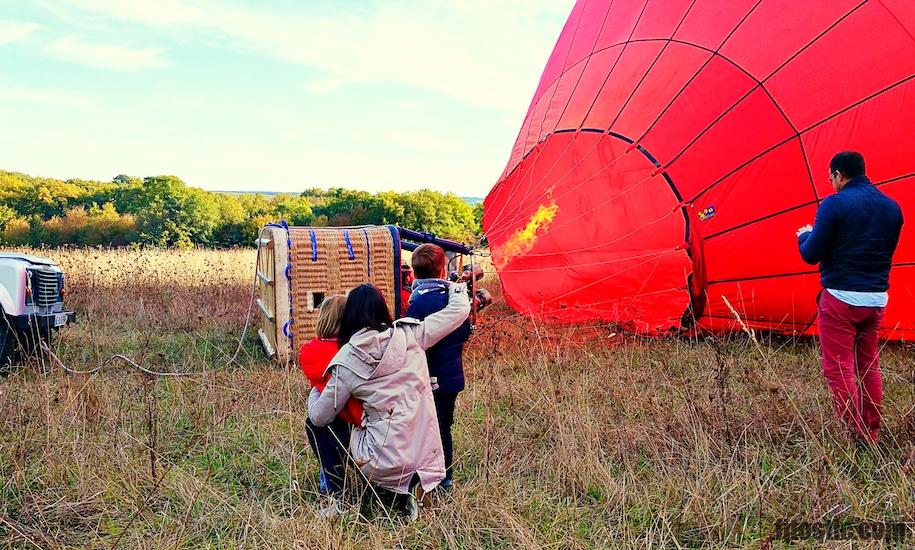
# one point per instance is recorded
(853, 239)
(446, 366)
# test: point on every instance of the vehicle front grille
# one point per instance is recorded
(46, 287)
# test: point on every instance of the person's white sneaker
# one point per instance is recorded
(411, 509)
(332, 510)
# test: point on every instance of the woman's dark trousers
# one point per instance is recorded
(330, 444)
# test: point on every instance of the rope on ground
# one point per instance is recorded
(113, 358)
(124, 359)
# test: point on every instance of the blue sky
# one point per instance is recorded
(275, 95)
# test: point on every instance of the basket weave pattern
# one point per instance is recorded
(331, 271)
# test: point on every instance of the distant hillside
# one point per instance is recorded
(164, 211)
(264, 193)
(469, 200)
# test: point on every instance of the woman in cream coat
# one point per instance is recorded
(382, 363)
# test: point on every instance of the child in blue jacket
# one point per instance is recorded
(446, 367)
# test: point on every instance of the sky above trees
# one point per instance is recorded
(272, 96)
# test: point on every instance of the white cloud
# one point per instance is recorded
(14, 31)
(426, 143)
(324, 85)
(483, 53)
(439, 90)
(13, 93)
(408, 105)
(113, 57)
(154, 13)
(487, 52)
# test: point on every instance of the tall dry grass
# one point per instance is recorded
(567, 437)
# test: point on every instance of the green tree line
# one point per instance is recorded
(164, 211)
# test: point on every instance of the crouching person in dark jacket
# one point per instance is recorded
(446, 367)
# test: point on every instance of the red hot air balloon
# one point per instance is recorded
(673, 147)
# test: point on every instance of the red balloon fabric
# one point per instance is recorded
(673, 147)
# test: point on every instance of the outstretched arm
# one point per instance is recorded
(442, 323)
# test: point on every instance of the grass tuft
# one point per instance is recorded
(567, 437)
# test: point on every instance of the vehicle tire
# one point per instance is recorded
(7, 345)
(32, 339)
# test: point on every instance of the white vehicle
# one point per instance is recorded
(31, 303)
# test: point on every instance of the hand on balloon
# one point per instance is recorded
(806, 229)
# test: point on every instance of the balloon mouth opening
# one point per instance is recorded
(606, 239)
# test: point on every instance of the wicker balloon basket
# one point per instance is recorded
(300, 266)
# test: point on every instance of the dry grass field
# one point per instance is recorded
(567, 437)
